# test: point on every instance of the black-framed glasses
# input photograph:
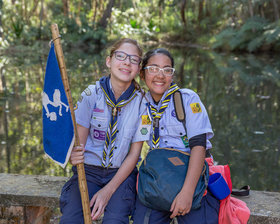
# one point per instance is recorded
(121, 56)
(154, 70)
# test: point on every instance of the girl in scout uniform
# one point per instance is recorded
(107, 115)
(157, 71)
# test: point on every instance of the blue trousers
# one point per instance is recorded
(119, 207)
(208, 213)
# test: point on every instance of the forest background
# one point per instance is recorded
(246, 25)
(202, 30)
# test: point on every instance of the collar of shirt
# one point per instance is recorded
(152, 102)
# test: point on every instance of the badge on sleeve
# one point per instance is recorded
(146, 120)
(87, 91)
(195, 108)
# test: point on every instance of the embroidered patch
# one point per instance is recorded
(185, 141)
(146, 120)
(99, 135)
(95, 109)
(195, 108)
(87, 91)
(173, 113)
(80, 99)
(144, 131)
(176, 161)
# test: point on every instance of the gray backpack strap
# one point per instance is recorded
(179, 108)
(147, 216)
(174, 220)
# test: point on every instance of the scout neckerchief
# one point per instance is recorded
(124, 99)
(156, 115)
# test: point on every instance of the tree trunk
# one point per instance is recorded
(276, 9)
(33, 10)
(94, 9)
(198, 77)
(251, 10)
(65, 8)
(200, 11)
(41, 18)
(160, 7)
(261, 11)
(6, 120)
(207, 8)
(25, 10)
(233, 12)
(103, 22)
(183, 6)
(1, 31)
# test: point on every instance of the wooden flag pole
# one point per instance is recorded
(80, 167)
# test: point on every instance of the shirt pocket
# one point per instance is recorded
(123, 144)
(172, 136)
(98, 129)
(173, 130)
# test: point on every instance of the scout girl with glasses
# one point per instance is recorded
(107, 115)
(157, 71)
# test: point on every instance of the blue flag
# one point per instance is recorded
(58, 130)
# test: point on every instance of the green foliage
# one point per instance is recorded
(253, 35)
(25, 22)
(255, 43)
(17, 27)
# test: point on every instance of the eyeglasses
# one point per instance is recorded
(121, 56)
(154, 70)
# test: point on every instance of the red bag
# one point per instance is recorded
(232, 210)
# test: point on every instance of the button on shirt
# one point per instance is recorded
(92, 112)
(171, 130)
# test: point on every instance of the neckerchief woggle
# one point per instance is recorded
(156, 115)
(111, 134)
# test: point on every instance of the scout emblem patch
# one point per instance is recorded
(146, 120)
(144, 131)
(195, 108)
(185, 141)
(173, 113)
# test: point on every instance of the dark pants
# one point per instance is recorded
(119, 207)
(208, 213)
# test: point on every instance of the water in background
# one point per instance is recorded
(241, 94)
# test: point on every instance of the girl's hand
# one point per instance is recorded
(77, 155)
(100, 200)
(182, 204)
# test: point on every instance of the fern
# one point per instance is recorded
(272, 35)
(252, 35)
(223, 37)
(255, 43)
(255, 24)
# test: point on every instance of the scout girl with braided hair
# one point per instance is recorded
(107, 115)
(166, 131)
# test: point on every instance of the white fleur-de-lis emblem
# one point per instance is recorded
(56, 103)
